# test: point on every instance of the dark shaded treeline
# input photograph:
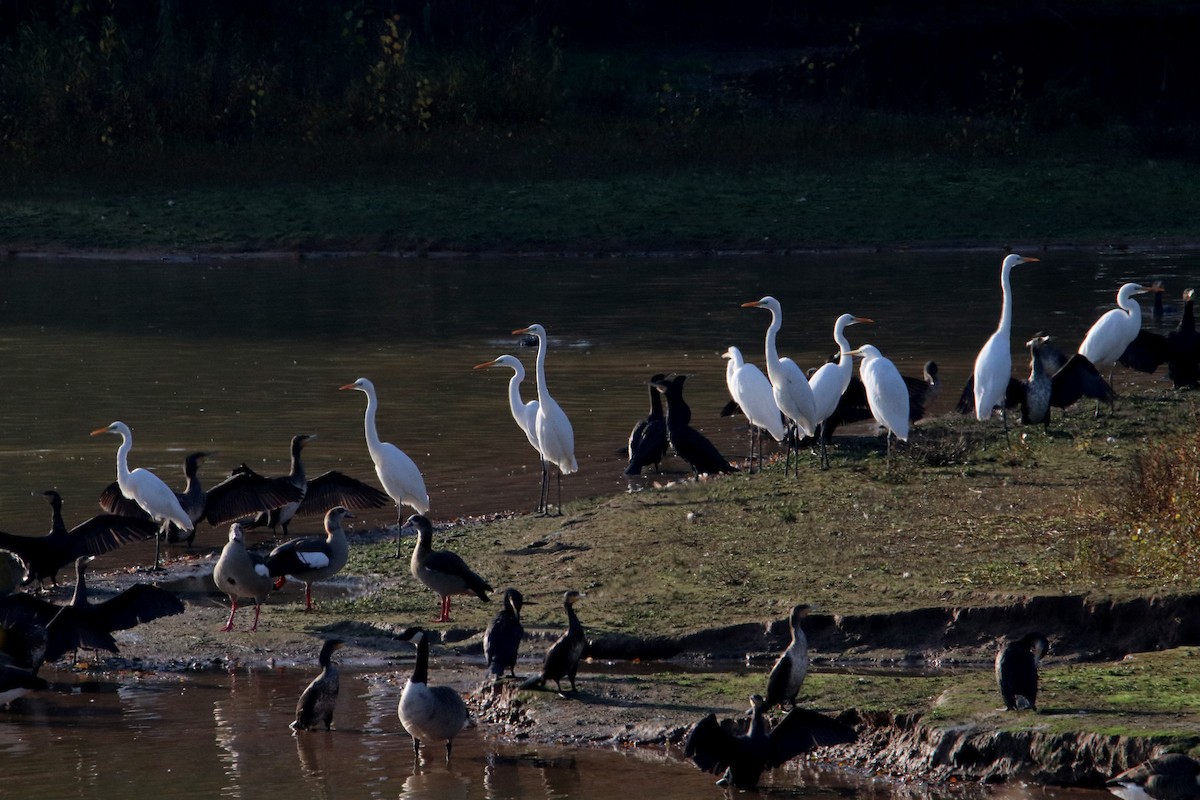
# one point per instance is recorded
(103, 71)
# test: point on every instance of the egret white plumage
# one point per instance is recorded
(398, 473)
(146, 489)
(993, 365)
(790, 388)
(524, 412)
(751, 390)
(830, 381)
(887, 394)
(1108, 337)
(555, 437)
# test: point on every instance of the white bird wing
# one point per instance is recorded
(313, 559)
(757, 401)
(156, 498)
(1107, 339)
(887, 395)
(795, 397)
(556, 437)
(400, 476)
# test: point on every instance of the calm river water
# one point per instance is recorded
(237, 356)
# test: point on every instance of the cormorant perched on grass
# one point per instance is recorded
(742, 758)
(502, 639)
(1056, 381)
(688, 443)
(1017, 670)
(648, 439)
(562, 659)
(790, 670)
(319, 697)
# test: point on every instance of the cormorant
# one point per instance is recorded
(44, 556)
(242, 574)
(319, 697)
(1170, 776)
(1179, 349)
(1053, 382)
(790, 670)
(562, 659)
(441, 570)
(688, 443)
(742, 758)
(312, 558)
(503, 636)
(1017, 670)
(429, 713)
(648, 439)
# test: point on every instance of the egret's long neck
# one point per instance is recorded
(839, 336)
(772, 351)
(1006, 302)
(369, 422)
(514, 393)
(1132, 308)
(123, 459)
(541, 370)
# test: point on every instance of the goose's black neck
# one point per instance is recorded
(421, 668)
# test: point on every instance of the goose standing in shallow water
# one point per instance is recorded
(1017, 671)
(319, 697)
(429, 713)
(741, 759)
(555, 436)
(562, 659)
(311, 558)
(147, 490)
(441, 570)
(789, 672)
(398, 473)
(242, 574)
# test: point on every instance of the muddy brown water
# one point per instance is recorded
(225, 734)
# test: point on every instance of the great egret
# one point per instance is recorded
(687, 442)
(562, 659)
(790, 388)
(752, 392)
(429, 713)
(887, 394)
(503, 636)
(556, 438)
(319, 698)
(241, 574)
(1017, 671)
(1116, 329)
(790, 670)
(147, 490)
(648, 440)
(43, 556)
(442, 571)
(741, 759)
(192, 498)
(829, 382)
(524, 412)
(993, 365)
(401, 478)
(312, 558)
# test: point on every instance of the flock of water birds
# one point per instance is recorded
(785, 403)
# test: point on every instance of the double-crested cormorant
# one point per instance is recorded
(648, 439)
(993, 365)
(242, 574)
(562, 659)
(742, 758)
(1170, 776)
(790, 670)
(832, 379)
(555, 436)
(192, 499)
(429, 713)
(17, 682)
(1179, 349)
(502, 639)
(793, 395)
(83, 624)
(887, 394)
(524, 412)
(441, 570)
(312, 558)
(687, 442)
(1053, 382)
(44, 556)
(1017, 670)
(147, 490)
(752, 395)
(398, 473)
(319, 697)
(22, 651)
